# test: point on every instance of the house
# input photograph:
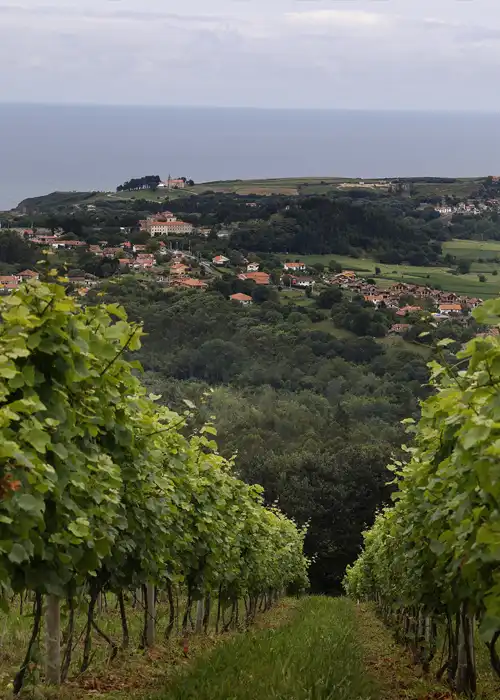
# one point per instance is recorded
(242, 299)
(28, 275)
(178, 269)
(220, 260)
(139, 248)
(257, 277)
(303, 282)
(145, 262)
(375, 299)
(294, 266)
(78, 280)
(404, 310)
(45, 240)
(401, 287)
(9, 279)
(253, 267)
(400, 328)
(473, 303)
(112, 252)
(126, 261)
(58, 243)
(448, 298)
(189, 283)
(204, 231)
(8, 288)
(450, 309)
(175, 183)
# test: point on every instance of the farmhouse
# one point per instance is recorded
(242, 299)
(257, 277)
(303, 282)
(220, 260)
(178, 269)
(450, 309)
(294, 266)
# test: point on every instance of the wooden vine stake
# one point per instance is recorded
(53, 636)
(200, 614)
(151, 613)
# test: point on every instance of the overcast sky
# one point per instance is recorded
(372, 54)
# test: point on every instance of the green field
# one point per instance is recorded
(472, 250)
(462, 187)
(297, 185)
(468, 285)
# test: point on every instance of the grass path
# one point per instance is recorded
(316, 656)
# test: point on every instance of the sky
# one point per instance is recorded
(352, 54)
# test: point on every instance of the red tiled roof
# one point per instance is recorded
(240, 297)
(188, 282)
(450, 307)
(257, 277)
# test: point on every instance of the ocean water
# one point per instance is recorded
(60, 147)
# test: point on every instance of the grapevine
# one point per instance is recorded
(103, 489)
(432, 560)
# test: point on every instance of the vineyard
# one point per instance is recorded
(112, 502)
(431, 562)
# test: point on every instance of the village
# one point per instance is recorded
(409, 301)
(160, 259)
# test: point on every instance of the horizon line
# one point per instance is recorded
(382, 110)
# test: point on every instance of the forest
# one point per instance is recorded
(314, 419)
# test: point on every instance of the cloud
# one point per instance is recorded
(279, 53)
(336, 18)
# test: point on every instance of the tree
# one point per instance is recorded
(329, 297)
(16, 251)
(334, 266)
(261, 294)
(482, 278)
(464, 266)
(148, 182)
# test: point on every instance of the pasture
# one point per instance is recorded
(438, 277)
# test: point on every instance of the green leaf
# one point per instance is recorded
(18, 554)
(30, 504)
(38, 439)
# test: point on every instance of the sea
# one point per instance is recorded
(44, 148)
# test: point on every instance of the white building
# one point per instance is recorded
(294, 266)
(170, 228)
(220, 260)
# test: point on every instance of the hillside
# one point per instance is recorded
(293, 186)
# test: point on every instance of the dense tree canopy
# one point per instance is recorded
(313, 418)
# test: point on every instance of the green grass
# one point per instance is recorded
(317, 656)
(472, 250)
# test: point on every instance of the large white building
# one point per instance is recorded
(170, 228)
